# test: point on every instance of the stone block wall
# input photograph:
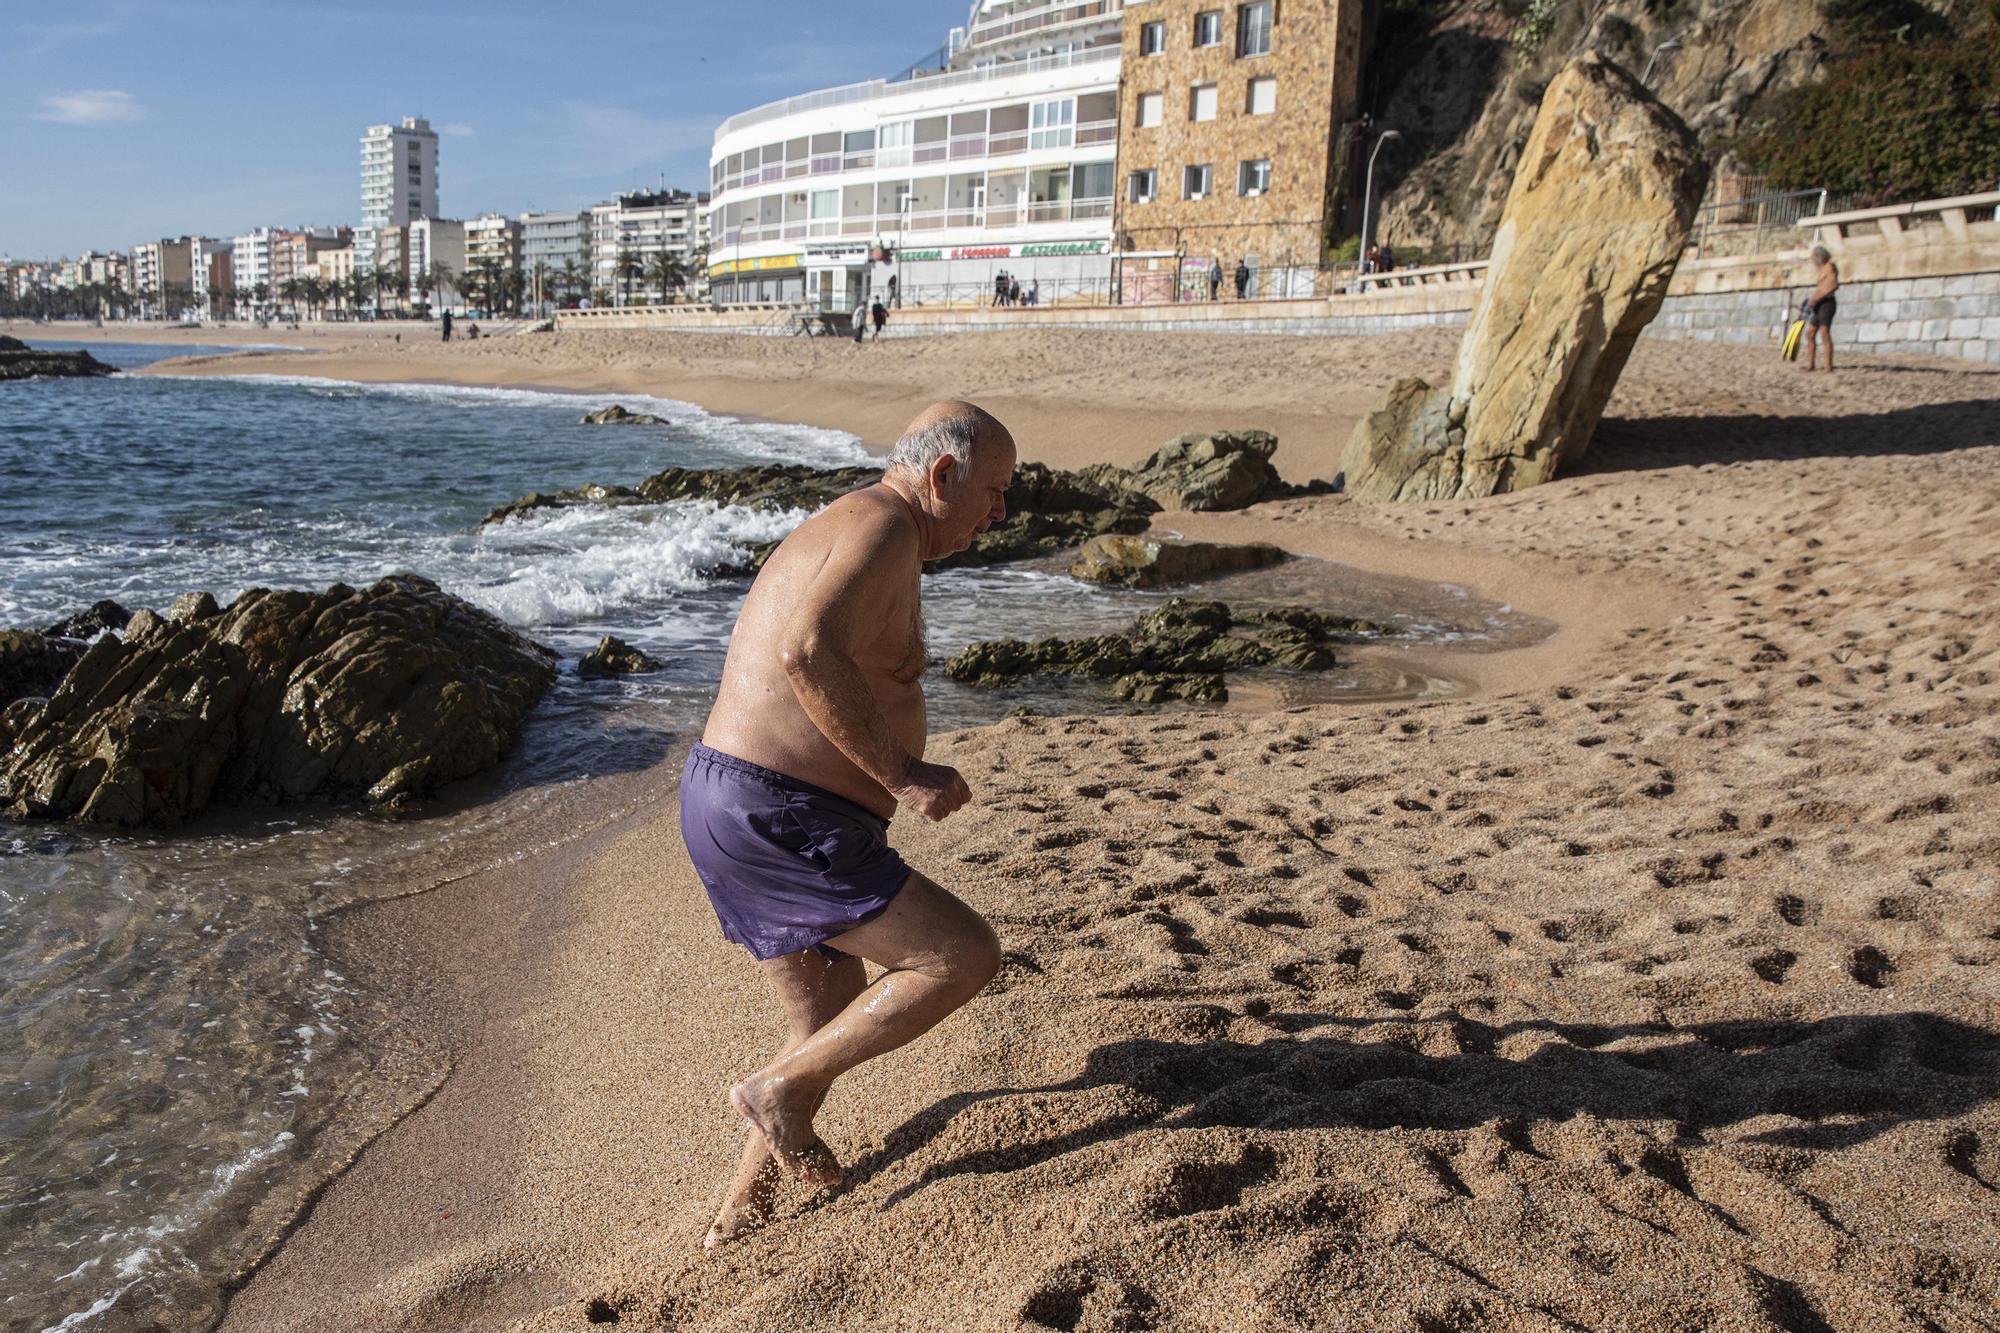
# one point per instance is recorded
(1955, 316)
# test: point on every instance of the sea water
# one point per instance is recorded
(172, 1035)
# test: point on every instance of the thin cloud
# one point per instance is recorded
(90, 106)
(458, 129)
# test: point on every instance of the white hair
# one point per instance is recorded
(1820, 253)
(947, 437)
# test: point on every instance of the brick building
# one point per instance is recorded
(1230, 122)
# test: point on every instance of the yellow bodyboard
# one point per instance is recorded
(1793, 336)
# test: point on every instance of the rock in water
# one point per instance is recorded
(385, 694)
(32, 665)
(614, 657)
(1594, 225)
(617, 415)
(18, 361)
(1148, 562)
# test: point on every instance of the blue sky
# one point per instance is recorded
(128, 120)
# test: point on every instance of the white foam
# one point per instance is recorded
(588, 562)
(775, 440)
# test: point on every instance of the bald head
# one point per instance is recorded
(953, 428)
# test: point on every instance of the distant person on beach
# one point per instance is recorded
(817, 735)
(445, 323)
(1820, 307)
(880, 314)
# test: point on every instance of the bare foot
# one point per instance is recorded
(785, 1121)
(747, 1208)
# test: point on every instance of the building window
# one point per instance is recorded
(1142, 186)
(1253, 177)
(1201, 105)
(1208, 28)
(1152, 38)
(1195, 181)
(1149, 109)
(1253, 29)
(1052, 124)
(1263, 98)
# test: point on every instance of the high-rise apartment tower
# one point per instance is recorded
(399, 181)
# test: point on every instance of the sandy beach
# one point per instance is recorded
(1650, 983)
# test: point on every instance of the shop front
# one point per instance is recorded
(758, 280)
(1053, 270)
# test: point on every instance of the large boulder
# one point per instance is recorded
(1594, 224)
(382, 694)
(18, 361)
(1224, 469)
(1049, 510)
(33, 664)
(1149, 562)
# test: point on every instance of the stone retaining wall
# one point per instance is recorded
(1955, 316)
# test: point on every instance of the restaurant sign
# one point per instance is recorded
(1025, 250)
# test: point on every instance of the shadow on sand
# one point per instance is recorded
(1836, 1081)
(1644, 444)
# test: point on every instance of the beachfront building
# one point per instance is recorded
(555, 257)
(399, 181)
(1231, 139)
(250, 261)
(417, 249)
(492, 259)
(163, 276)
(295, 253)
(210, 271)
(1003, 159)
(635, 230)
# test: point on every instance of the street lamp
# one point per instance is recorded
(1671, 44)
(1368, 193)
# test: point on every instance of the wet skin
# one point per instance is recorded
(822, 683)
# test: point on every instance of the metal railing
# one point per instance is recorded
(1757, 220)
(878, 88)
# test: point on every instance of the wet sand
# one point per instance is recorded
(1650, 984)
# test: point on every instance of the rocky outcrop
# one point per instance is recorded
(1594, 226)
(18, 361)
(1180, 651)
(1048, 511)
(87, 625)
(383, 694)
(614, 657)
(32, 665)
(1461, 80)
(617, 415)
(763, 485)
(1224, 469)
(1150, 562)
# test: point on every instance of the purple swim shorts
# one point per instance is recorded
(787, 865)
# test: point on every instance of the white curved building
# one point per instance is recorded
(1001, 160)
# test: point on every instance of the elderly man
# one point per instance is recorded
(817, 735)
(1820, 307)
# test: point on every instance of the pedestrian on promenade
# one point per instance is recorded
(1214, 276)
(1388, 257)
(1035, 292)
(1013, 291)
(881, 314)
(1000, 288)
(1820, 307)
(1242, 278)
(816, 738)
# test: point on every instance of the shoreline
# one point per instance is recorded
(1469, 1007)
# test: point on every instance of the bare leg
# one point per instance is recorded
(813, 990)
(1826, 332)
(939, 953)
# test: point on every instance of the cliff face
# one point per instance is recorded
(1462, 79)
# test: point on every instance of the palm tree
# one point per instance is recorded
(573, 280)
(667, 273)
(358, 285)
(261, 294)
(539, 283)
(215, 292)
(389, 278)
(625, 268)
(439, 278)
(289, 290)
